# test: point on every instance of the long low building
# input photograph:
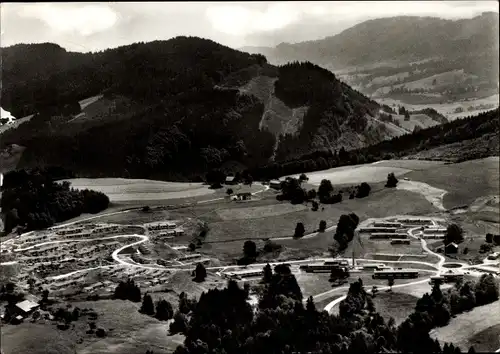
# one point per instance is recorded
(386, 235)
(245, 273)
(387, 224)
(395, 274)
(434, 230)
(416, 221)
(378, 229)
(324, 267)
(400, 241)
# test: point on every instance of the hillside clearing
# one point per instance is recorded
(121, 189)
(464, 327)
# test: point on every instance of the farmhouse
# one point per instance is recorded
(230, 180)
(451, 248)
(243, 196)
(275, 184)
(26, 307)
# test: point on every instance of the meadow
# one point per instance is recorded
(476, 327)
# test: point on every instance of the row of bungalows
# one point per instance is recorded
(400, 241)
(387, 224)
(69, 231)
(168, 225)
(434, 230)
(324, 267)
(378, 229)
(42, 252)
(171, 233)
(395, 274)
(245, 273)
(416, 221)
(387, 235)
(446, 278)
(110, 228)
(189, 257)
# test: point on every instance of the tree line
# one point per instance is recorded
(222, 321)
(470, 127)
(34, 200)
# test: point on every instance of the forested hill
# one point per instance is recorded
(175, 109)
(402, 38)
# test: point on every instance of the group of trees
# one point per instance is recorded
(454, 233)
(163, 310)
(128, 290)
(345, 229)
(490, 238)
(223, 322)
(33, 199)
(436, 309)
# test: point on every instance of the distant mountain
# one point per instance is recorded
(390, 51)
(176, 109)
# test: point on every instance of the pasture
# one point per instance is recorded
(394, 304)
(472, 328)
(122, 189)
(354, 174)
(464, 182)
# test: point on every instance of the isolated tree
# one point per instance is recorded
(322, 226)
(489, 238)
(370, 306)
(164, 310)
(315, 206)
(390, 283)
(299, 230)
(374, 291)
(392, 181)
(324, 190)
(407, 116)
(148, 307)
(200, 273)
(250, 249)
(310, 306)
(454, 233)
(229, 191)
(303, 177)
(268, 274)
(146, 208)
(192, 247)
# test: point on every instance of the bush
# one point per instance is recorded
(299, 230)
(200, 273)
(322, 226)
(392, 181)
(101, 332)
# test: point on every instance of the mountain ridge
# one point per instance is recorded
(168, 102)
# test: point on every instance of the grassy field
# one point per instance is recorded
(394, 304)
(354, 174)
(470, 327)
(128, 332)
(464, 182)
(121, 189)
(225, 238)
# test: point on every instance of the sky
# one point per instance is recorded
(85, 27)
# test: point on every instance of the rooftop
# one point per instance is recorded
(27, 305)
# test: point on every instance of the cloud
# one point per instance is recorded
(83, 19)
(240, 20)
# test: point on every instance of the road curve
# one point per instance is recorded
(332, 304)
